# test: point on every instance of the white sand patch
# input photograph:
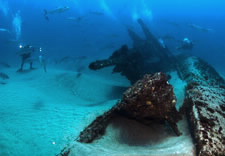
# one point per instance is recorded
(179, 88)
(127, 137)
(40, 114)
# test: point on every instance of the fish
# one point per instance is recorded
(80, 69)
(197, 27)
(67, 59)
(71, 18)
(55, 11)
(4, 76)
(96, 103)
(97, 13)
(38, 105)
(12, 41)
(3, 83)
(5, 65)
(78, 75)
(168, 37)
(108, 46)
(113, 35)
(76, 19)
(81, 57)
(172, 23)
(4, 30)
(64, 59)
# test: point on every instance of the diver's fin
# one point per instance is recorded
(46, 14)
(44, 66)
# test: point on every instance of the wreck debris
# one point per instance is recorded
(146, 56)
(205, 102)
(144, 102)
(126, 62)
(149, 100)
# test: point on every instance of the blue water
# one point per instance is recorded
(95, 28)
(61, 37)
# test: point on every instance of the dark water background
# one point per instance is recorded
(97, 36)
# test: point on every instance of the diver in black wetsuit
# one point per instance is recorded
(26, 53)
(42, 61)
(186, 45)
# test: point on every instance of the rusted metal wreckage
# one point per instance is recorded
(151, 98)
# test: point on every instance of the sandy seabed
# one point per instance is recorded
(41, 113)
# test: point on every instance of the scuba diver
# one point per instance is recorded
(186, 45)
(42, 60)
(26, 53)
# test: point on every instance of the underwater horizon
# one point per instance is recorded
(43, 111)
